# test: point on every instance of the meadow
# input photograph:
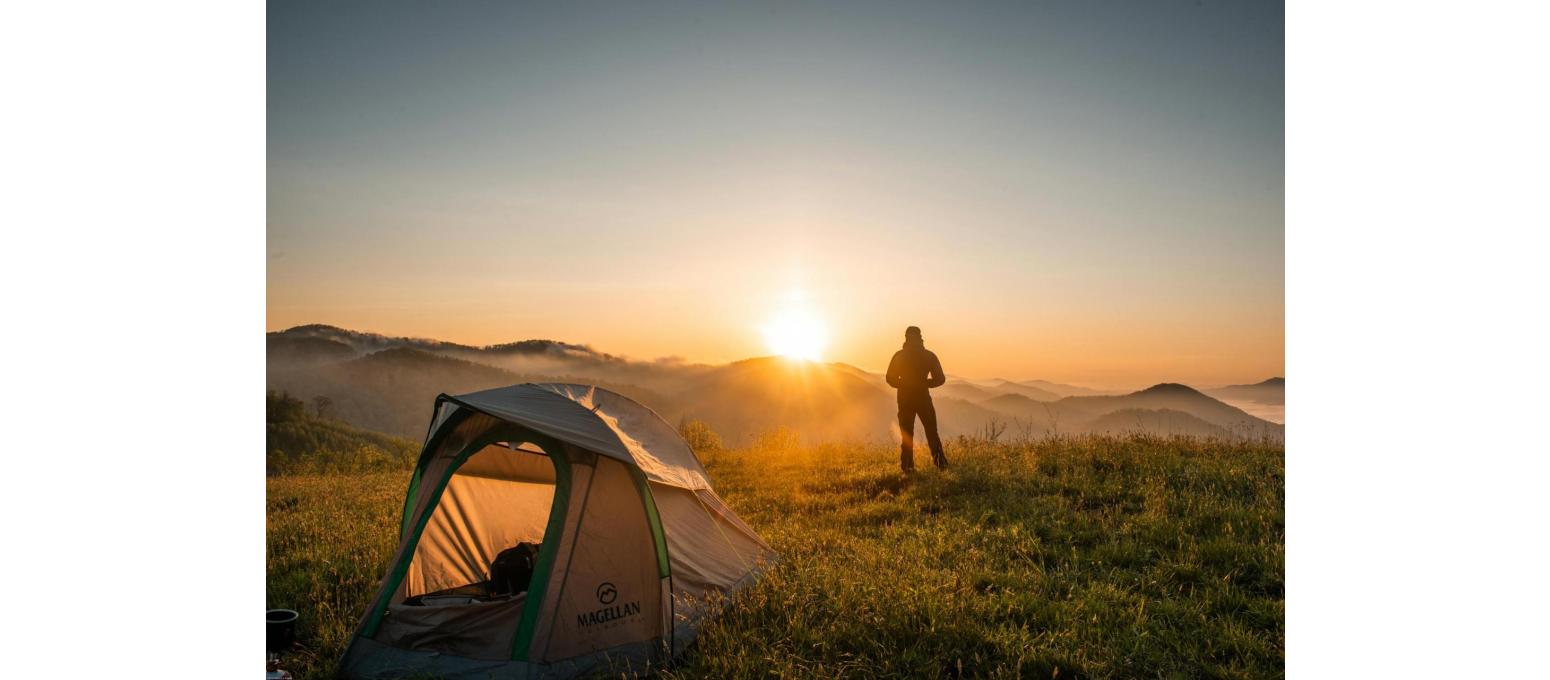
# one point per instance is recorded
(1060, 557)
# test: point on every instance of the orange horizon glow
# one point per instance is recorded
(1094, 354)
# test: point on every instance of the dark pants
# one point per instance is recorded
(908, 409)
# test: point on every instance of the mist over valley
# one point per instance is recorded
(387, 384)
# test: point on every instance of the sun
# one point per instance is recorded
(796, 333)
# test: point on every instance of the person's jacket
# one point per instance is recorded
(914, 370)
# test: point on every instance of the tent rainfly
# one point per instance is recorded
(627, 545)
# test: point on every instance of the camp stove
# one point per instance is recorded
(279, 637)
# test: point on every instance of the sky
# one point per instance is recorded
(1074, 191)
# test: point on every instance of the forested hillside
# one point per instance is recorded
(303, 438)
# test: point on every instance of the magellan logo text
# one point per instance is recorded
(606, 595)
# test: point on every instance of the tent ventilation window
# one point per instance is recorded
(521, 447)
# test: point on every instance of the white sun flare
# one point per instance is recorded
(796, 333)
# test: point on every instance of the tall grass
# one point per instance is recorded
(329, 541)
(1063, 557)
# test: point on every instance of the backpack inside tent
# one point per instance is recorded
(551, 530)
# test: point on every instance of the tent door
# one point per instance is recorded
(508, 485)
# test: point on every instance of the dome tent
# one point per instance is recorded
(633, 544)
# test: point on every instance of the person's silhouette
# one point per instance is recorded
(914, 370)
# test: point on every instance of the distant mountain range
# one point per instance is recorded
(1065, 390)
(387, 384)
(1265, 400)
(1272, 392)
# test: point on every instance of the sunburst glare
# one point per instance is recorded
(796, 333)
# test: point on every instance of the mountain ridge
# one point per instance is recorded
(1270, 392)
(386, 384)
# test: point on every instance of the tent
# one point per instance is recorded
(634, 548)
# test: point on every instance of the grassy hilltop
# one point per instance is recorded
(1092, 556)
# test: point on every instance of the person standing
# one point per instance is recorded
(913, 371)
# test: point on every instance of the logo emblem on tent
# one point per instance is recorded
(607, 593)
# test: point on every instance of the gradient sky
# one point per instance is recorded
(1077, 191)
